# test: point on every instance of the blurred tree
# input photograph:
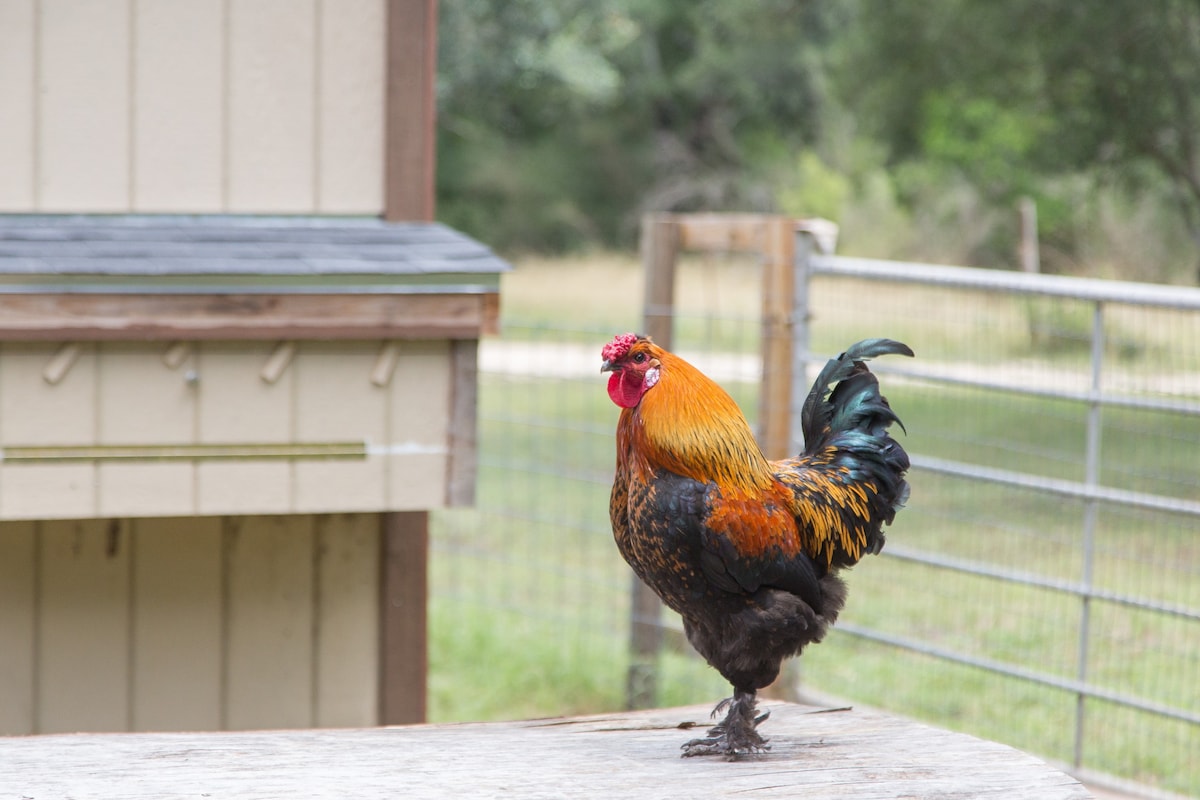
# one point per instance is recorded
(1012, 93)
(561, 122)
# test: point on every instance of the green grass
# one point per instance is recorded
(530, 598)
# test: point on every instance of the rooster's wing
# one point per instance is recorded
(695, 544)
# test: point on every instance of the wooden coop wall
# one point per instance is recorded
(196, 106)
(397, 397)
(189, 624)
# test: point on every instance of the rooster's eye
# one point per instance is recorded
(639, 357)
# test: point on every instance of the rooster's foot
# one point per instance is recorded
(736, 735)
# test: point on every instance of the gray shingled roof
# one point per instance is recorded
(81, 252)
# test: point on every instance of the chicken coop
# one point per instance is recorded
(237, 363)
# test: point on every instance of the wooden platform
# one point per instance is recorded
(816, 753)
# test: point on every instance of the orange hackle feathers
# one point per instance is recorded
(692, 428)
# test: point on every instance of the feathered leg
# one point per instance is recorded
(737, 734)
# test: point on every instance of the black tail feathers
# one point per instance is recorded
(854, 421)
(855, 403)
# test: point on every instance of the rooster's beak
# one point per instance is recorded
(608, 366)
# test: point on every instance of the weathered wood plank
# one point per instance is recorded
(71, 317)
(403, 623)
(409, 138)
(838, 754)
(723, 233)
(775, 400)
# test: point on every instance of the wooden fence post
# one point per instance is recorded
(775, 400)
(806, 245)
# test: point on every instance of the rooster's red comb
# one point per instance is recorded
(619, 346)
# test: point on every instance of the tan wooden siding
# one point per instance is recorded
(189, 624)
(127, 393)
(178, 625)
(339, 402)
(350, 129)
(82, 616)
(192, 106)
(83, 133)
(179, 81)
(269, 655)
(17, 98)
(18, 627)
(347, 615)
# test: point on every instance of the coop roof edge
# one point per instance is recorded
(219, 253)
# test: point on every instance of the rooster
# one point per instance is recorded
(745, 549)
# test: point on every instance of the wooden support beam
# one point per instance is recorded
(410, 111)
(775, 400)
(660, 250)
(723, 233)
(403, 624)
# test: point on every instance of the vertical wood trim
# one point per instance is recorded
(775, 401)
(660, 250)
(463, 434)
(18, 609)
(410, 113)
(403, 624)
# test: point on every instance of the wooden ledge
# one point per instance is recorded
(815, 753)
(170, 317)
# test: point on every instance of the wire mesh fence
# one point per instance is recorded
(1041, 589)
(1044, 577)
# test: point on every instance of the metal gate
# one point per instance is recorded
(1107, 320)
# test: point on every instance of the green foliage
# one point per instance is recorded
(915, 126)
(815, 190)
(1019, 95)
(982, 138)
(560, 123)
